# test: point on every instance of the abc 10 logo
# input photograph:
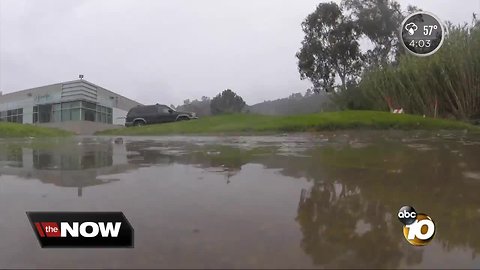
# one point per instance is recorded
(418, 228)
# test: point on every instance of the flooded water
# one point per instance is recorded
(296, 201)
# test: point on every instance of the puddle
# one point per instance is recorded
(297, 201)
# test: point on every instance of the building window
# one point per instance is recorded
(88, 111)
(44, 113)
(15, 116)
(56, 112)
(72, 111)
(88, 115)
(97, 113)
(35, 114)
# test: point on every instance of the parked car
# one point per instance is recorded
(155, 114)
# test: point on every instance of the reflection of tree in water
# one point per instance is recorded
(343, 229)
(370, 184)
(349, 213)
(342, 224)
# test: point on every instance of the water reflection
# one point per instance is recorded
(343, 229)
(346, 214)
(347, 217)
(67, 164)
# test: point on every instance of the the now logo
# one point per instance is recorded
(76, 229)
(82, 229)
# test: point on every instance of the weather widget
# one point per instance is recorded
(422, 33)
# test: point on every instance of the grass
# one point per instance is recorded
(254, 124)
(445, 84)
(12, 130)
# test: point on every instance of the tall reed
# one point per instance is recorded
(446, 84)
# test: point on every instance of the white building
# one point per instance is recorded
(79, 106)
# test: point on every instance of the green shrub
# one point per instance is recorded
(446, 84)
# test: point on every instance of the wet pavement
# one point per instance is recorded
(296, 201)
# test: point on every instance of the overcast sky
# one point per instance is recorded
(164, 50)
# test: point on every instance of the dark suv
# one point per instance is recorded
(155, 114)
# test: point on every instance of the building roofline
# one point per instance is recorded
(67, 82)
(26, 90)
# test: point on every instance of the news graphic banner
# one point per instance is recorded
(81, 229)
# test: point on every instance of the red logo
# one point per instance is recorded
(81, 229)
(48, 229)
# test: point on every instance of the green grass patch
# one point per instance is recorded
(12, 130)
(254, 124)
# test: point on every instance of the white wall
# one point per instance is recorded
(118, 116)
(28, 115)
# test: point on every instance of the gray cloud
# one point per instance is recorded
(165, 51)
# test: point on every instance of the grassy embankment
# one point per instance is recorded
(12, 130)
(254, 124)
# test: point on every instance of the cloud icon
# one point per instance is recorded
(411, 28)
